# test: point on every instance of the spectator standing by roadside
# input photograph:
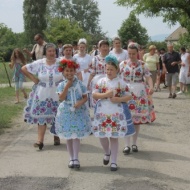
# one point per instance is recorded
(38, 49)
(171, 60)
(184, 75)
(152, 62)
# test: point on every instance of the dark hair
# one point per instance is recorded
(162, 49)
(103, 42)
(40, 35)
(75, 43)
(59, 41)
(183, 49)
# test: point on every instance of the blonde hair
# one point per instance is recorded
(20, 56)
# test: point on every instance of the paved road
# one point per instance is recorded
(163, 162)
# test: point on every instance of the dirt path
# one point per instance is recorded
(163, 162)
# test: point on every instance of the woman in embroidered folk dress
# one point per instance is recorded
(112, 117)
(72, 121)
(43, 101)
(17, 61)
(97, 67)
(133, 71)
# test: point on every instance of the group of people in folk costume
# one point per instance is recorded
(115, 84)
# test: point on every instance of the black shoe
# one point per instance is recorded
(71, 164)
(170, 95)
(174, 95)
(77, 166)
(134, 148)
(126, 150)
(56, 140)
(113, 168)
(39, 145)
(106, 162)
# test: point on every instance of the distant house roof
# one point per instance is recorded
(176, 34)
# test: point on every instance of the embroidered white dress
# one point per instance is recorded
(140, 106)
(43, 101)
(84, 63)
(112, 119)
(71, 123)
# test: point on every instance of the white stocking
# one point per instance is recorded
(114, 149)
(105, 144)
(70, 148)
(76, 147)
(127, 141)
(135, 136)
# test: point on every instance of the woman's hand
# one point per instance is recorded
(36, 80)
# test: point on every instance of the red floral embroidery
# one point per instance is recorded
(137, 73)
(131, 106)
(143, 101)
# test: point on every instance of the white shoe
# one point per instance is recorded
(180, 92)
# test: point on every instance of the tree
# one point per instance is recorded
(34, 17)
(132, 29)
(7, 41)
(173, 11)
(64, 30)
(84, 12)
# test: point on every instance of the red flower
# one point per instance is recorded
(60, 69)
(108, 120)
(131, 106)
(137, 73)
(97, 87)
(143, 101)
(127, 89)
(114, 124)
(104, 124)
(104, 90)
(127, 73)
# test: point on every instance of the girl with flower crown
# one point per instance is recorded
(72, 121)
(112, 117)
(133, 71)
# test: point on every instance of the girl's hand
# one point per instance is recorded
(114, 99)
(151, 91)
(109, 93)
(78, 105)
(69, 83)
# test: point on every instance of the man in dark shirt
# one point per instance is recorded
(170, 66)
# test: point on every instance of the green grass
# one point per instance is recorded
(3, 75)
(8, 110)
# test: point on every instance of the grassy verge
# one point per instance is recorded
(3, 75)
(8, 110)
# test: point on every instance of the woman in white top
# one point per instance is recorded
(117, 50)
(184, 75)
(84, 60)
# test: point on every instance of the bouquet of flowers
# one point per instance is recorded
(67, 63)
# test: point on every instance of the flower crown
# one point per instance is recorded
(133, 45)
(112, 59)
(67, 63)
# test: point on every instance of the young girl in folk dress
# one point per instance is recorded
(112, 117)
(72, 121)
(133, 71)
(17, 61)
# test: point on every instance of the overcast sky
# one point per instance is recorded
(111, 18)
